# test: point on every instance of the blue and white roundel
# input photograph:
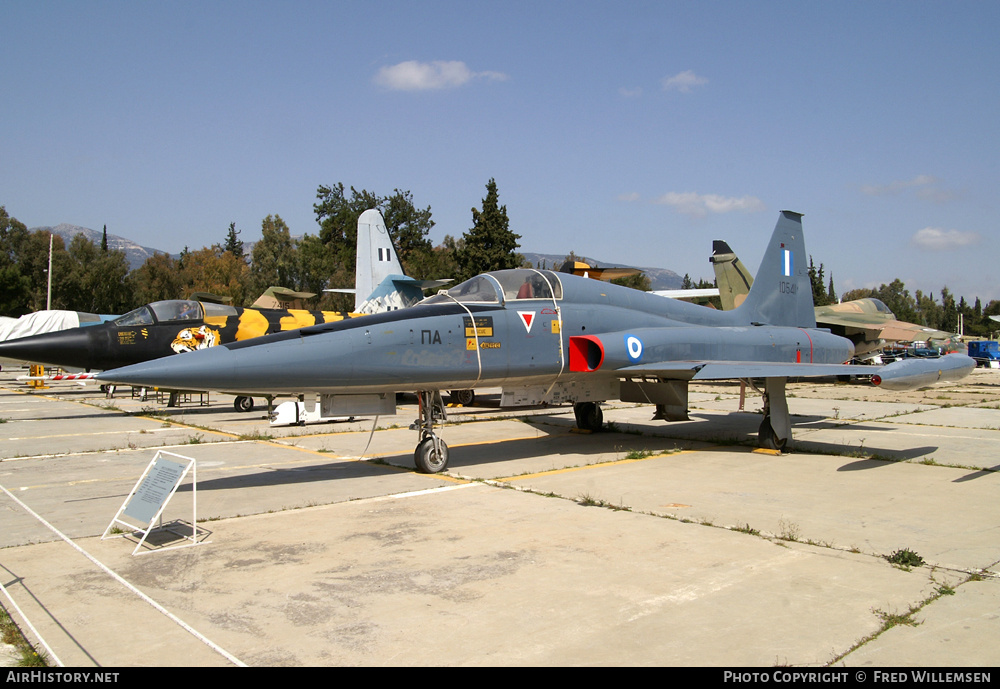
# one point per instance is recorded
(633, 345)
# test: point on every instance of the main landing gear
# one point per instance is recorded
(464, 398)
(776, 427)
(589, 416)
(431, 455)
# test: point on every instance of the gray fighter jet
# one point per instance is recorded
(539, 334)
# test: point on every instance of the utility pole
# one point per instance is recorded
(48, 298)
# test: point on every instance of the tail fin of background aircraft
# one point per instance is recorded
(379, 282)
(376, 257)
(732, 277)
(781, 293)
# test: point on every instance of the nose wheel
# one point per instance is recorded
(431, 455)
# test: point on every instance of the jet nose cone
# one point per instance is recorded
(71, 348)
(200, 370)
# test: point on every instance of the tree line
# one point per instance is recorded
(92, 278)
(948, 314)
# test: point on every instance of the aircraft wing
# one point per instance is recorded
(908, 332)
(430, 284)
(889, 331)
(687, 293)
(906, 374)
(399, 280)
(730, 370)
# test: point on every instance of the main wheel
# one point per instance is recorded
(428, 461)
(589, 416)
(768, 439)
(243, 403)
(463, 397)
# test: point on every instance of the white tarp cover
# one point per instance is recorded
(37, 322)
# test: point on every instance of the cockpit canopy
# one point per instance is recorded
(173, 310)
(881, 307)
(503, 286)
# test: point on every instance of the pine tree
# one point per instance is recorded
(489, 245)
(820, 294)
(273, 259)
(234, 244)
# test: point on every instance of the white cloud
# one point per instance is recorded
(937, 195)
(629, 197)
(936, 239)
(429, 76)
(700, 205)
(897, 186)
(683, 81)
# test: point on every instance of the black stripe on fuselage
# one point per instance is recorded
(412, 313)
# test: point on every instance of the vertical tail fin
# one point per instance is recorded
(781, 293)
(732, 277)
(376, 256)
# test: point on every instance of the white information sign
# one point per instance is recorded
(152, 492)
(155, 489)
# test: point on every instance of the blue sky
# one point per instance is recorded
(632, 132)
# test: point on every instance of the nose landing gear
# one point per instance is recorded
(431, 455)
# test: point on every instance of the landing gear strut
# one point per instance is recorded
(431, 455)
(776, 427)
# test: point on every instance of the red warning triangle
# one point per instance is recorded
(527, 318)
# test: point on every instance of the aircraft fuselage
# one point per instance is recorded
(450, 345)
(157, 330)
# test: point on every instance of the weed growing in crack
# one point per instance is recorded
(905, 559)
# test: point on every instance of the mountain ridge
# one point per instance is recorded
(136, 254)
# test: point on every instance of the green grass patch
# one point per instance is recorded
(905, 558)
(10, 634)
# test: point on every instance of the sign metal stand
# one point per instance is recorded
(150, 495)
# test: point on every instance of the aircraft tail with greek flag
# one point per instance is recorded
(781, 293)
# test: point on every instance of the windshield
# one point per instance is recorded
(521, 283)
(881, 307)
(177, 310)
(526, 283)
(141, 316)
(479, 289)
